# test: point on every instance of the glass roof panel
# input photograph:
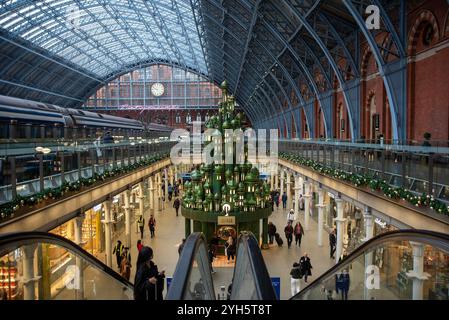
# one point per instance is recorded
(106, 36)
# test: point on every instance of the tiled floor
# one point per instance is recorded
(170, 231)
(279, 260)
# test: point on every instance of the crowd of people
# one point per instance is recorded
(149, 281)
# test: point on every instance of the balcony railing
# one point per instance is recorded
(420, 169)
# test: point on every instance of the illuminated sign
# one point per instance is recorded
(226, 221)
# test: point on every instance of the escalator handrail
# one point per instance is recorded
(436, 239)
(18, 239)
(184, 266)
(261, 276)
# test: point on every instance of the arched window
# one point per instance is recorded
(156, 87)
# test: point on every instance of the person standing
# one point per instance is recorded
(301, 202)
(295, 274)
(291, 216)
(176, 205)
(332, 243)
(211, 254)
(276, 199)
(299, 232)
(118, 251)
(148, 282)
(271, 232)
(288, 230)
(139, 245)
(230, 248)
(125, 267)
(170, 191)
(284, 200)
(181, 246)
(306, 266)
(141, 224)
(152, 225)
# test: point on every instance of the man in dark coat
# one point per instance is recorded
(148, 282)
(271, 231)
(176, 205)
(306, 266)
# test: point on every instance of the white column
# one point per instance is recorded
(172, 177)
(369, 225)
(28, 272)
(159, 191)
(297, 197)
(369, 232)
(417, 274)
(108, 232)
(276, 180)
(307, 202)
(141, 205)
(152, 189)
(282, 182)
(127, 208)
(340, 220)
(320, 207)
(166, 183)
(176, 173)
(289, 190)
(272, 180)
(79, 276)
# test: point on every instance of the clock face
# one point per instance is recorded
(157, 89)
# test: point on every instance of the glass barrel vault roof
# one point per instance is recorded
(105, 37)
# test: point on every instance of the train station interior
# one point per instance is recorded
(224, 150)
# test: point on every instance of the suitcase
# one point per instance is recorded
(279, 240)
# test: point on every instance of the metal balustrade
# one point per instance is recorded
(419, 169)
(27, 170)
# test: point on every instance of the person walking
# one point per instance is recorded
(288, 230)
(271, 232)
(176, 189)
(118, 251)
(148, 282)
(211, 254)
(170, 191)
(284, 200)
(295, 274)
(176, 205)
(301, 202)
(230, 248)
(306, 266)
(276, 199)
(299, 232)
(152, 225)
(291, 216)
(181, 246)
(332, 243)
(141, 224)
(139, 245)
(125, 267)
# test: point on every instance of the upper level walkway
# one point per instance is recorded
(61, 179)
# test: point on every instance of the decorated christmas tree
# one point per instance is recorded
(226, 189)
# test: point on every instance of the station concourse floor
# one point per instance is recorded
(170, 231)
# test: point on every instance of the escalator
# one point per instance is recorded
(193, 280)
(399, 265)
(44, 266)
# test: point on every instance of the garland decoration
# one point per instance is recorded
(8, 209)
(373, 182)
